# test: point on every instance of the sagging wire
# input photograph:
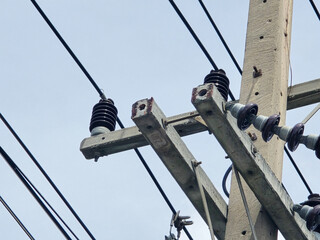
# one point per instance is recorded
(104, 98)
(45, 174)
(18, 172)
(196, 38)
(16, 218)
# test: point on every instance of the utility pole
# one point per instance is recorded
(264, 82)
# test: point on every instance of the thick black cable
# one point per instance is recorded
(224, 181)
(23, 180)
(48, 204)
(220, 36)
(315, 8)
(155, 181)
(46, 175)
(298, 170)
(204, 50)
(103, 97)
(68, 49)
(16, 218)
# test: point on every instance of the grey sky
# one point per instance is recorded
(134, 50)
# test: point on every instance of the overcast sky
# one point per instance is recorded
(133, 50)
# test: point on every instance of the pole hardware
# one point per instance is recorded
(179, 222)
(103, 120)
(269, 126)
(310, 212)
(104, 117)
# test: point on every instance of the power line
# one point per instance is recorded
(224, 181)
(298, 170)
(220, 36)
(194, 35)
(315, 8)
(103, 97)
(16, 218)
(18, 172)
(49, 205)
(45, 175)
(204, 50)
(68, 49)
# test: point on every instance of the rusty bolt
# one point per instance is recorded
(252, 136)
(256, 72)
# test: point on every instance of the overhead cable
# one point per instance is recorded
(315, 9)
(18, 172)
(220, 36)
(298, 170)
(16, 218)
(204, 50)
(68, 49)
(103, 97)
(194, 35)
(48, 204)
(45, 175)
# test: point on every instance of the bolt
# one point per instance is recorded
(256, 73)
(252, 136)
(196, 164)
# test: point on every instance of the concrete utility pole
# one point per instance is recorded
(264, 82)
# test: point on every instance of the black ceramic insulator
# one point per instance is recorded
(318, 148)
(267, 131)
(294, 136)
(220, 80)
(104, 114)
(245, 116)
(313, 200)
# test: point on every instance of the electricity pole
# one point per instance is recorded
(264, 82)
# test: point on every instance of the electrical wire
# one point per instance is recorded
(45, 175)
(103, 97)
(68, 49)
(224, 181)
(220, 36)
(18, 172)
(16, 218)
(196, 38)
(315, 8)
(48, 204)
(194, 35)
(298, 170)
(245, 203)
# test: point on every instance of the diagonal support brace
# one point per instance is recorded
(252, 166)
(175, 155)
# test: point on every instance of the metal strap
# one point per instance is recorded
(245, 202)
